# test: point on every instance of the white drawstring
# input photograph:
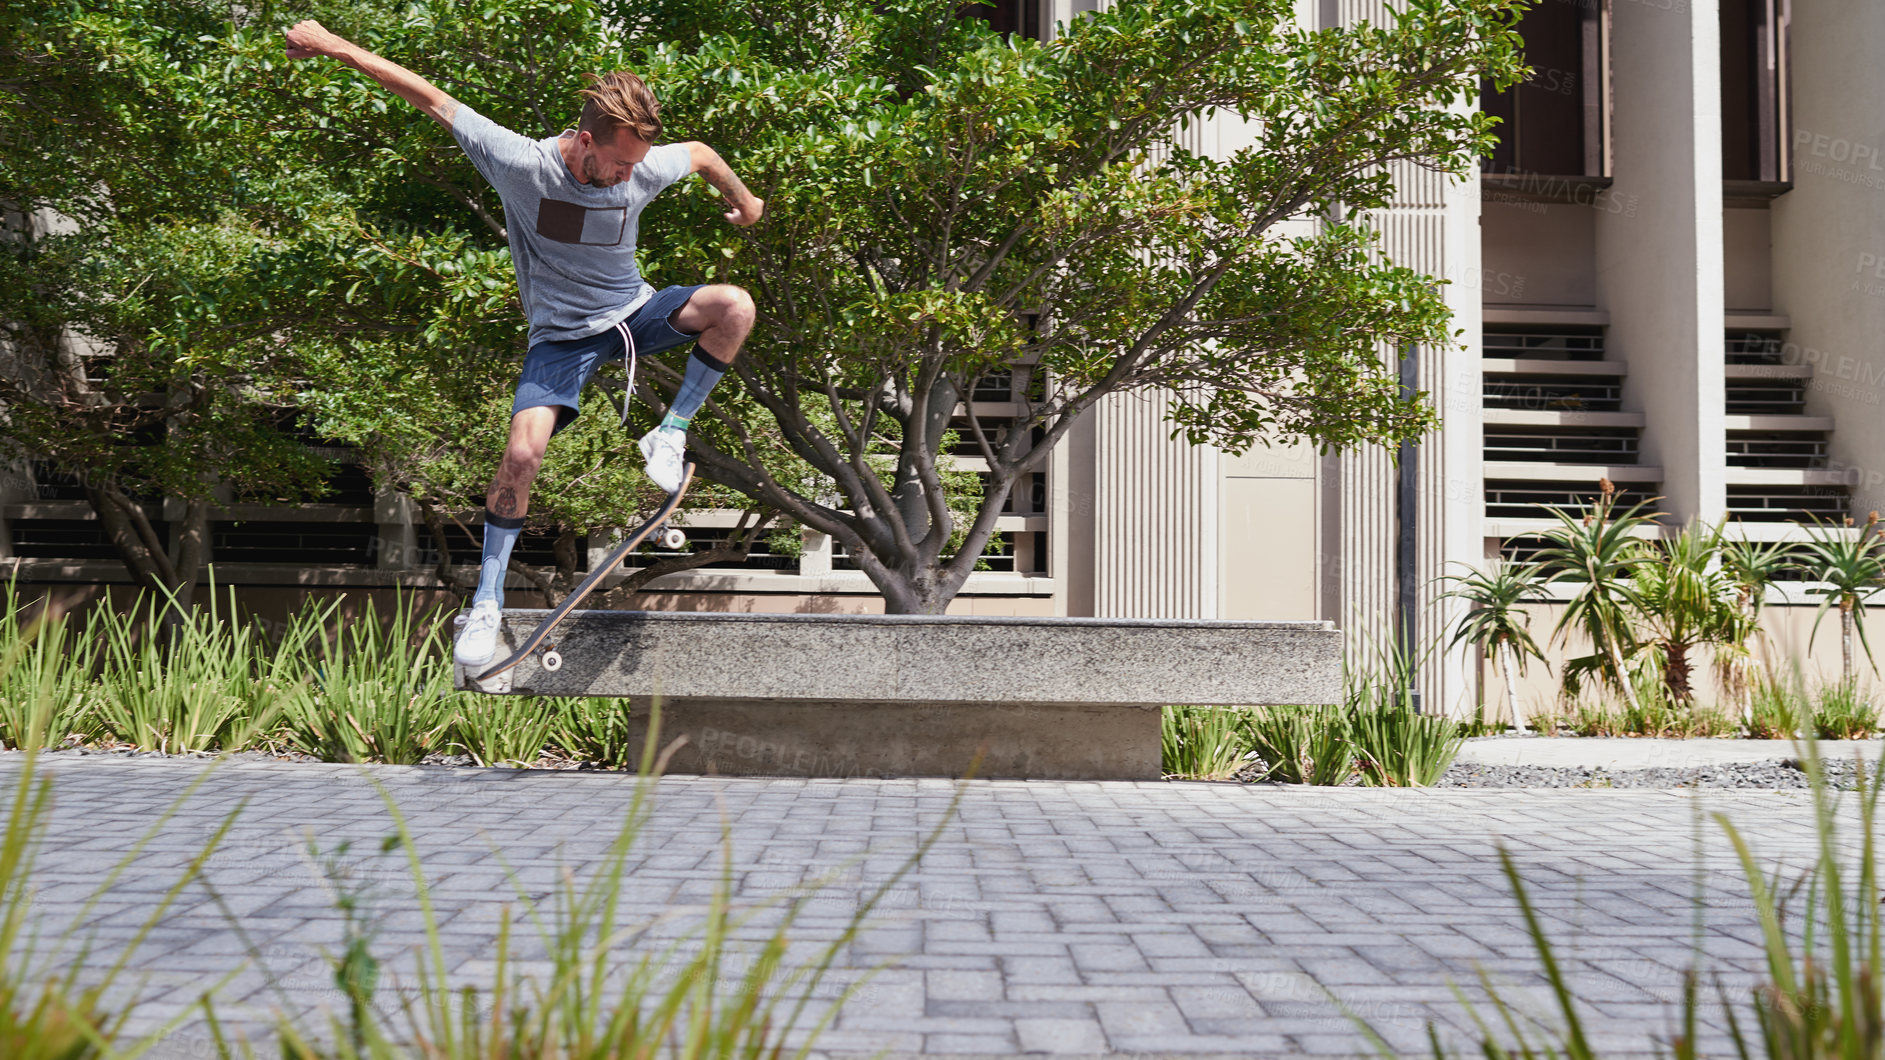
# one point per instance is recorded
(629, 351)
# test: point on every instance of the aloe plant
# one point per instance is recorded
(1496, 625)
(1850, 568)
(502, 730)
(1394, 744)
(1753, 567)
(49, 663)
(595, 729)
(1599, 550)
(1844, 711)
(1778, 707)
(1685, 600)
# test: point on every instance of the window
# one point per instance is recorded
(1007, 16)
(1552, 124)
(1754, 90)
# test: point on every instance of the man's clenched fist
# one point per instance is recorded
(308, 38)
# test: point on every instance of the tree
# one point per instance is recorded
(1496, 625)
(1600, 552)
(1850, 567)
(135, 356)
(1684, 599)
(948, 204)
(207, 265)
(1753, 567)
(945, 205)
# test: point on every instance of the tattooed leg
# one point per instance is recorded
(509, 498)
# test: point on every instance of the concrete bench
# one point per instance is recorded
(877, 695)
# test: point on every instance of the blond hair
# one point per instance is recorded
(616, 101)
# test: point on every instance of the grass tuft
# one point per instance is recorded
(1395, 744)
(1201, 743)
(184, 680)
(47, 679)
(1845, 711)
(1301, 745)
(594, 729)
(378, 688)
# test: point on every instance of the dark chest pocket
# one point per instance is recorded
(568, 222)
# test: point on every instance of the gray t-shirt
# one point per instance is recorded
(573, 244)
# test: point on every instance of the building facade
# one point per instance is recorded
(1670, 275)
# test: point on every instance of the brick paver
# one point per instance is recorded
(1068, 918)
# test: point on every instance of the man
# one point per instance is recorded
(572, 206)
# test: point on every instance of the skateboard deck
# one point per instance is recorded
(541, 634)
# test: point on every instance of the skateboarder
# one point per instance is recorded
(572, 206)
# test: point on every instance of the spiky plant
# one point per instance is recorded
(1684, 600)
(1753, 567)
(1600, 549)
(1850, 568)
(1495, 624)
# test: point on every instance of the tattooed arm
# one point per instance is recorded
(708, 163)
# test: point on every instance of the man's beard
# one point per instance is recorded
(594, 175)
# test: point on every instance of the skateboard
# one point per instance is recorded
(656, 528)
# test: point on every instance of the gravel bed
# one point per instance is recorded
(1775, 774)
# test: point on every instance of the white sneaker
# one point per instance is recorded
(477, 641)
(663, 448)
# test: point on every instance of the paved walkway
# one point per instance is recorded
(1078, 918)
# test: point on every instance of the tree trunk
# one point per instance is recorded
(894, 531)
(1846, 625)
(1675, 672)
(125, 526)
(914, 594)
(912, 500)
(192, 546)
(447, 574)
(1623, 677)
(1511, 687)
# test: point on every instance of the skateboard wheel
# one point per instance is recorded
(552, 660)
(672, 539)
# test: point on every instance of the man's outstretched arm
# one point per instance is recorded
(707, 162)
(309, 38)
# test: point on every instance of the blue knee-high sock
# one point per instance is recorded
(499, 535)
(702, 373)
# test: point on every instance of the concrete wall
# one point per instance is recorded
(1538, 253)
(1267, 503)
(1747, 260)
(1658, 244)
(1433, 225)
(1829, 231)
(1155, 515)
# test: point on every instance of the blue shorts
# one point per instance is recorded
(555, 372)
